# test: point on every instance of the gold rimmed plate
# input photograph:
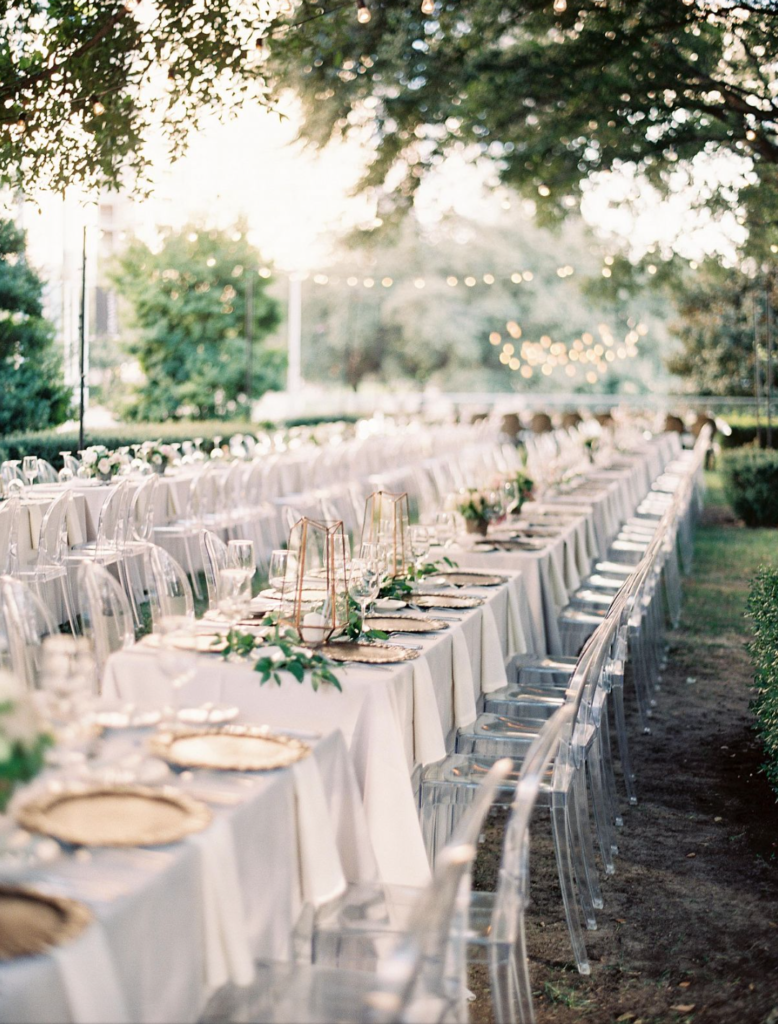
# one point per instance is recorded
(367, 654)
(239, 748)
(32, 922)
(111, 815)
(404, 624)
(197, 643)
(446, 601)
(465, 578)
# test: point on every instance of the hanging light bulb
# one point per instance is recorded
(427, 6)
(363, 12)
(560, 6)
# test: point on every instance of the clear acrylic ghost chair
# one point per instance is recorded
(214, 556)
(495, 921)
(140, 533)
(108, 547)
(353, 930)
(48, 574)
(421, 979)
(10, 472)
(9, 533)
(447, 787)
(25, 622)
(106, 616)
(168, 587)
(200, 513)
(506, 735)
(47, 474)
(264, 513)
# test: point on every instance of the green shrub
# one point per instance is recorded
(763, 610)
(47, 444)
(751, 485)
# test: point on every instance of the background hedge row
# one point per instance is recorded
(47, 444)
(763, 610)
(751, 484)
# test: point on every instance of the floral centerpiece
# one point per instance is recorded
(158, 455)
(22, 739)
(99, 461)
(477, 507)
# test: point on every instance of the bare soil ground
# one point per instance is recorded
(689, 931)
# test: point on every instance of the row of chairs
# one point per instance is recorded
(544, 740)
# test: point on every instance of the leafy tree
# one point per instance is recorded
(553, 96)
(189, 305)
(33, 393)
(82, 84)
(432, 306)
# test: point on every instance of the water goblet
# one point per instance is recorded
(363, 585)
(234, 592)
(30, 468)
(420, 542)
(279, 562)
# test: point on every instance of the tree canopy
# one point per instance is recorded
(190, 306)
(32, 391)
(84, 85)
(553, 92)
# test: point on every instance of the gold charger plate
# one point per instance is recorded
(32, 922)
(463, 578)
(239, 748)
(446, 601)
(368, 654)
(114, 815)
(199, 643)
(404, 624)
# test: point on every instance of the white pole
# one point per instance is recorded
(294, 369)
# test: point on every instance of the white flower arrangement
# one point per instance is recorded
(475, 505)
(97, 460)
(158, 455)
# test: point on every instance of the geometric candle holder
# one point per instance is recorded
(387, 520)
(314, 596)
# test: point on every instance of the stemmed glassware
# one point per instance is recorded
(363, 584)
(30, 468)
(445, 528)
(421, 542)
(68, 685)
(234, 592)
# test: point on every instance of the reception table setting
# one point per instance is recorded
(178, 805)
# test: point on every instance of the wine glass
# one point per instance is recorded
(279, 560)
(363, 585)
(30, 468)
(234, 592)
(445, 528)
(511, 497)
(177, 660)
(240, 555)
(420, 543)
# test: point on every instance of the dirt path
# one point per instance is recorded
(689, 931)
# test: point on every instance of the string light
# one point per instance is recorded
(560, 6)
(363, 12)
(427, 6)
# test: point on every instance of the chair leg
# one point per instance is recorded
(190, 567)
(601, 817)
(623, 741)
(607, 766)
(583, 852)
(67, 602)
(565, 870)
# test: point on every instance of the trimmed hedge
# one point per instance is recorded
(747, 434)
(47, 444)
(751, 484)
(763, 610)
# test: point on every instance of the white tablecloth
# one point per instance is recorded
(149, 903)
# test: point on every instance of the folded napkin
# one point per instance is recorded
(464, 695)
(428, 742)
(90, 980)
(517, 642)
(493, 675)
(227, 950)
(321, 872)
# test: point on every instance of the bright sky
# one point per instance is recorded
(297, 200)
